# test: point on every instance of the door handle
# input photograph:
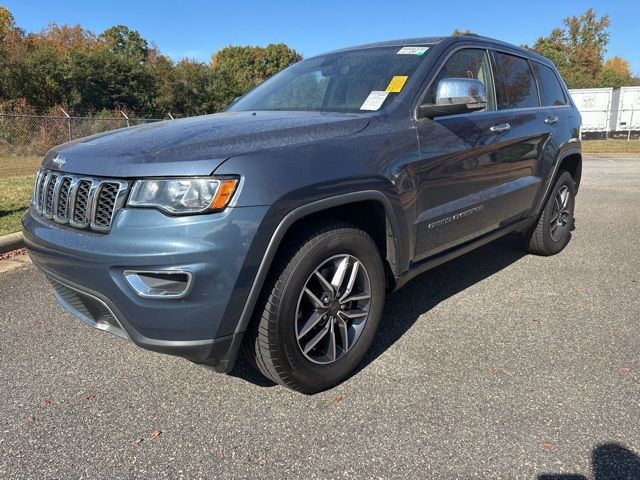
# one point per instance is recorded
(551, 120)
(503, 127)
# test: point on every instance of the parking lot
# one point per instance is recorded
(495, 365)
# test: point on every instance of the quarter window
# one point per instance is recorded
(551, 93)
(469, 63)
(515, 86)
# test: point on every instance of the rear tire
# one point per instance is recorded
(317, 292)
(552, 232)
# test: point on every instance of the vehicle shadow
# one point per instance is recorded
(609, 461)
(405, 306)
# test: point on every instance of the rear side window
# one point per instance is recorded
(551, 93)
(515, 86)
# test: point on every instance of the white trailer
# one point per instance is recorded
(594, 105)
(625, 115)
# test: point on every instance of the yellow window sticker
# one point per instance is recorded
(396, 83)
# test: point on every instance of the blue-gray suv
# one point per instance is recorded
(277, 227)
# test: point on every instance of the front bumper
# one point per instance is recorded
(86, 270)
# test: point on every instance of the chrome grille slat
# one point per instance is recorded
(105, 201)
(61, 214)
(42, 197)
(81, 202)
(80, 214)
(47, 211)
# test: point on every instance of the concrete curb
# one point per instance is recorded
(13, 241)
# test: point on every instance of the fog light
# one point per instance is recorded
(159, 284)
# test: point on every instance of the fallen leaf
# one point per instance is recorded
(490, 371)
(626, 370)
(137, 441)
(46, 401)
(503, 370)
(336, 399)
(88, 398)
(124, 377)
(32, 419)
(13, 253)
(155, 433)
(547, 445)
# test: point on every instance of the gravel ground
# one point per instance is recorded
(496, 365)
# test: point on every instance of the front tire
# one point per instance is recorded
(552, 232)
(320, 308)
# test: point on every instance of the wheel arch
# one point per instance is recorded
(569, 159)
(572, 163)
(296, 218)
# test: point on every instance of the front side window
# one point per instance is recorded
(551, 93)
(515, 85)
(472, 63)
(335, 82)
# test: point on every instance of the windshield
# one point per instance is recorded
(350, 81)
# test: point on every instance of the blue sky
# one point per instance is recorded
(196, 29)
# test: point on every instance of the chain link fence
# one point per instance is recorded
(24, 139)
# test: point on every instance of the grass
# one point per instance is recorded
(15, 194)
(611, 146)
(16, 184)
(14, 166)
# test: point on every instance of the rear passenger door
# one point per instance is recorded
(534, 131)
(478, 171)
(559, 114)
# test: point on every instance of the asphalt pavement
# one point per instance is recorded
(495, 365)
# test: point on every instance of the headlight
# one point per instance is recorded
(183, 195)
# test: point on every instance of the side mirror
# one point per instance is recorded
(456, 95)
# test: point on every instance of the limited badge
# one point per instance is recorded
(396, 83)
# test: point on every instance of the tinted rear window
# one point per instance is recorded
(515, 86)
(551, 93)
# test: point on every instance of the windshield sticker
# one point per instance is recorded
(412, 50)
(374, 101)
(396, 83)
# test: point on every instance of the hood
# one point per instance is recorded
(196, 145)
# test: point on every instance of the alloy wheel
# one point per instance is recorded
(333, 309)
(560, 215)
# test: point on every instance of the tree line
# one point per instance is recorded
(70, 67)
(75, 69)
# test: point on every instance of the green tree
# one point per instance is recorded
(126, 43)
(457, 32)
(236, 70)
(578, 48)
(190, 87)
(12, 51)
(43, 76)
(67, 65)
(616, 72)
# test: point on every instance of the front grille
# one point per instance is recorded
(81, 202)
